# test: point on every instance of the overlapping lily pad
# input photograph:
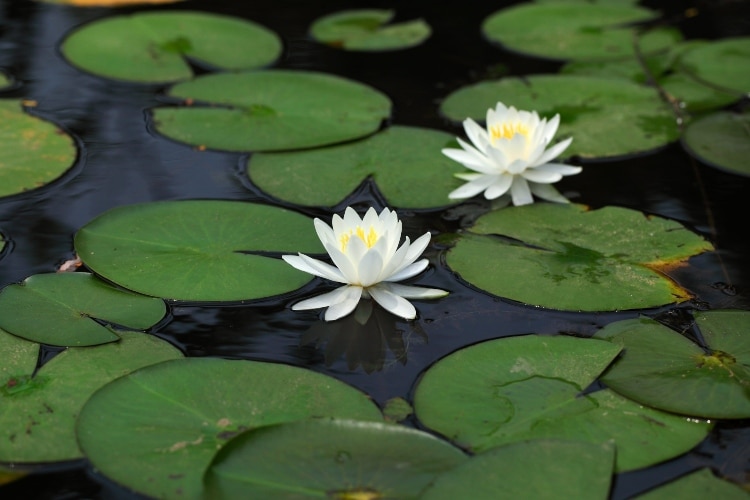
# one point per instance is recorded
(722, 63)
(157, 430)
(570, 258)
(330, 459)
(157, 47)
(33, 152)
(364, 30)
(665, 370)
(198, 250)
(66, 309)
(697, 486)
(405, 162)
(607, 117)
(722, 140)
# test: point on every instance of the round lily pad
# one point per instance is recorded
(65, 309)
(198, 250)
(330, 459)
(19, 360)
(566, 30)
(698, 485)
(363, 30)
(403, 161)
(156, 47)
(33, 152)
(721, 140)
(157, 430)
(607, 117)
(722, 63)
(570, 258)
(662, 369)
(37, 423)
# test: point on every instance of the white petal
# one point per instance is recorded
(499, 187)
(547, 192)
(561, 168)
(417, 247)
(515, 148)
(476, 134)
(409, 271)
(472, 188)
(369, 268)
(554, 151)
(340, 260)
(518, 166)
(467, 176)
(351, 218)
(498, 157)
(314, 266)
(520, 192)
(542, 176)
(324, 231)
(393, 303)
(396, 261)
(469, 160)
(550, 128)
(371, 218)
(322, 300)
(349, 302)
(414, 292)
(355, 250)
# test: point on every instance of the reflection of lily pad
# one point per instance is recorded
(33, 152)
(59, 309)
(363, 29)
(399, 159)
(570, 258)
(698, 485)
(272, 110)
(722, 63)
(607, 117)
(199, 250)
(156, 46)
(157, 430)
(665, 370)
(342, 459)
(722, 140)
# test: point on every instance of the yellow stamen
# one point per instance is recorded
(508, 130)
(369, 239)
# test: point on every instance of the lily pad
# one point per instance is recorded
(37, 420)
(157, 430)
(4, 80)
(721, 140)
(405, 162)
(529, 387)
(607, 117)
(662, 369)
(34, 152)
(722, 63)
(566, 30)
(272, 110)
(568, 257)
(363, 30)
(198, 250)
(157, 47)
(66, 309)
(698, 485)
(19, 360)
(539, 469)
(330, 459)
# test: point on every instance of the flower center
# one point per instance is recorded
(508, 130)
(369, 239)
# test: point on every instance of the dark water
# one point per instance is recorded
(122, 161)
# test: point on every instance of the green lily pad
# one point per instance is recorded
(271, 110)
(34, 152)
(330, 459)
(5, 81)
(721, 140)
(405, 162)
(539, 469)
(363, 30)
(607, 117)
(198, 250)
(157, 430)
(38, 413)
(566, 30)
(570, 258)
(156, 47)
(529, 387)
(662, 369)
(19, 360)
(722, 63)
(59, 309)
(694, 96)
(698, 485)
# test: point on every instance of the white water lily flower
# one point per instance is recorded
(511, 155)
(368, 261)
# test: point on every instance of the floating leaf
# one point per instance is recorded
(4, 80)
(330, 459)
(721, 140)
(198, 250)
(570, 258)
(692, 95)
(397, 409)
(272, 110)
(39, 412)
(33, 152)
(698, 485)
(66, 309)
(157, 430)
(528, 387)
(19, 360)
(607, 117)
(363, 29)
(722, 63)
(398, 159)
(662, 369)
(157, 46)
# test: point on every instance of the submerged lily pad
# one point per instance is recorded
(405, 162)
(157, 430)
(570, 258)
(698, 485)
(272, 110)
(33, 152)
(198, 250)
(662, 369)
(364, 30)
(330, 459)
(39, 411)
(607, 117)
(722, 63)
(157, 46)
(65, 309)
(722, 140)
